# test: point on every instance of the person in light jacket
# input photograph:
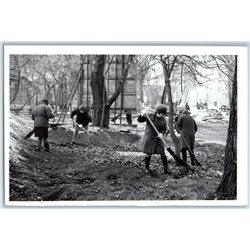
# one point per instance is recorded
(41, 115)
(187, 127)
(152, 143)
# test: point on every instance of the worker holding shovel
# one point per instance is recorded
(152, 142)
(187, 128)
(81, 122)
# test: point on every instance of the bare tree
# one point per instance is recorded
(226, 67)
(51, 72)
(192, 66)
(15, 68)
(101, 103)
(228, 186)
(168, 64)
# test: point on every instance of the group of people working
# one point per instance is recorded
(153, 138)
(156, 129)
(41, 115)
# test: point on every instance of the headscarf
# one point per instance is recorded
(45, 100)
(161, 109)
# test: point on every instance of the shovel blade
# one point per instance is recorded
(179, 160)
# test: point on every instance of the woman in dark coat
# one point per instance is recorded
(187, 127)
(152, 143)
(41, 115)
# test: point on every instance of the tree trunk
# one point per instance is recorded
(164, 93)
(97, 84)
(229, 86)
(227, 189)
(167, 74)
(171, 118)
(17, 86)
(101, 104)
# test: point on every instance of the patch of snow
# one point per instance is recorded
(132, 154)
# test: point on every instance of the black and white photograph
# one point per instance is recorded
(124, 126)
(110, 164)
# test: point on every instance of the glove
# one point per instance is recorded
(143, 113)
(160, 136)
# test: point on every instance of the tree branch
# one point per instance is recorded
(121, 83)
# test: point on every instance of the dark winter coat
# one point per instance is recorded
(41, 115)
(151, 144)
(188, 128)
(81, 118)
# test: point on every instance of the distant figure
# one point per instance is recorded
(82, 119)
(187, 127)
(187, 107)
(199, 104)
(204, 105)
(128, 116)
(41, 115)
(152, 143)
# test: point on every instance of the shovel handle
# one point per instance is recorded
(152, 124)
(155, 129)
(185, 164)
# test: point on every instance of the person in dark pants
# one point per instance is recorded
(128, 117)
(152, 143)
(82, 119)
(41, 115)
(187, 127)
(187, 107)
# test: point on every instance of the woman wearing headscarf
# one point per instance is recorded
(152, 142)
(41, 115)
(187, 127)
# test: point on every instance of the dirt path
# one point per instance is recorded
(212, 133)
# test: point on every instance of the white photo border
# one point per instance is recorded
(242, 126)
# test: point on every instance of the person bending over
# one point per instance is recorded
(81, 122)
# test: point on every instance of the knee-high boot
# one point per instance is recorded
(192, 157)
(39, 143)
(147, 162)
(46, 144)
(165, 164)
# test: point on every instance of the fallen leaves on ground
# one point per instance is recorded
(110, 167)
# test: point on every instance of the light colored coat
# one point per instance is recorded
(41, 115)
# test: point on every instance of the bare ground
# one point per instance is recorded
(110, 167)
